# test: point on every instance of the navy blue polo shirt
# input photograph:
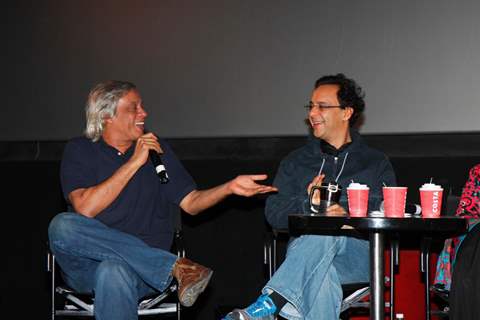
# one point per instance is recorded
(142, 208)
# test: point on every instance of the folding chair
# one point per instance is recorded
(355, 294)
(67, 302)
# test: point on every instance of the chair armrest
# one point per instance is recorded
(277, 233)
(178, 243)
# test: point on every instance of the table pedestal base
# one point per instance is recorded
(377, 301)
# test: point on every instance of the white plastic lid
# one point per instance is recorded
(430, 186)
(356, 185)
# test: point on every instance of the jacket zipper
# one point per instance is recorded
(335, 166)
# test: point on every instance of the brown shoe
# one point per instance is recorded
(192, 279)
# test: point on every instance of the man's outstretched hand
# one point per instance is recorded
(246, 185)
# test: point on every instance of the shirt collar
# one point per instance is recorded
(108, 148)
(331, 150)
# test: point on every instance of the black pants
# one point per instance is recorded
(465, 290)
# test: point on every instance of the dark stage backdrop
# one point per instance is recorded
(216, 68)
(228, 237)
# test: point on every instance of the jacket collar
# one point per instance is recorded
(320, 146)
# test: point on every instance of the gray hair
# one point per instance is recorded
(102, 104)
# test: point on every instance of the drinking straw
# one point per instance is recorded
(431, 179)
(384, 184)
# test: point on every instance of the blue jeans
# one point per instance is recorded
(314, 269)
(117, 267)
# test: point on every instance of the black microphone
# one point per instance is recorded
(159, 167)
(411, 209)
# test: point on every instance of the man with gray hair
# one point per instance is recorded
(115, 237)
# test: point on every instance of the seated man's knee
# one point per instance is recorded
(315, 241)
(61, 226)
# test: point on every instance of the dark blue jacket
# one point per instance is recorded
(360, 163)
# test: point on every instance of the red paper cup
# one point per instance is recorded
(431, 202)
(357, 202)
(394, 199)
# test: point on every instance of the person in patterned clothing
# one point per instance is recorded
(458, 264)
(468, 208)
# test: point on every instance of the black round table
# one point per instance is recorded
(377, 228)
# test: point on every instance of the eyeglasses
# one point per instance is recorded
(311, 105)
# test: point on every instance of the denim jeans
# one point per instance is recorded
(117, 267)
(314, 269)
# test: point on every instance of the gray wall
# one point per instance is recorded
(241, 68)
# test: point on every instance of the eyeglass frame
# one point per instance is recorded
(311, 105)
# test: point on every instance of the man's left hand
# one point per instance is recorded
(245, 185)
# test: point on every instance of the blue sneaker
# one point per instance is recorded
(262, 309)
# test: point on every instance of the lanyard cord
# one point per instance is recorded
(321, 167)
(343, 165)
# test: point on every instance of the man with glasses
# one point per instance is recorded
(308, 283)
